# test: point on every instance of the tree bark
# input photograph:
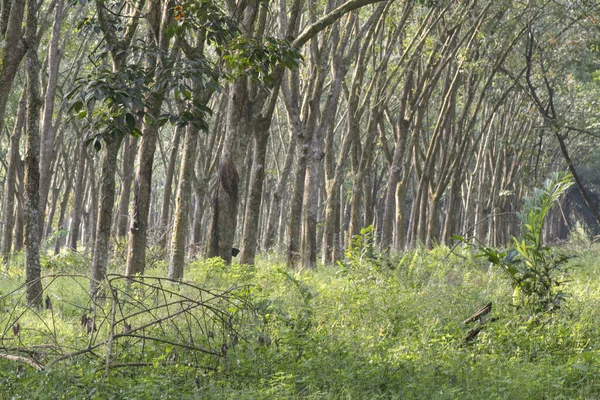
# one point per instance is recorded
(129, 151)
(166, 200)
(78, 195)
(105, 211)
(48, 152)
(183, 203)
(8, 216)
(12, 51)
(136, 254)
(32, 171)
(250, 234)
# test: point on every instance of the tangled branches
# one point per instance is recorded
(134, 321)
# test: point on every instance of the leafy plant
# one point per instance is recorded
(362, 250)
(536, 270)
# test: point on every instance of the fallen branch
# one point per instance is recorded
(25, 360)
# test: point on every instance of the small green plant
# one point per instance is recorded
(536, 270)
(362, 251)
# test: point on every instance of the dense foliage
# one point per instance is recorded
(366, 331)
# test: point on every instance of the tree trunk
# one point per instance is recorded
(19, 220)
(64, 204)
(105, 210)
(32, 166)
(78, 195)
(166, 200)
(48, 152)
(250, 235)
(183, 203)
(8, 216)
(129, 151)
(275, 208)
(12, 51)
(225, 203)
(136, 254)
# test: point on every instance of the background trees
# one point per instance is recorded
(291, 125)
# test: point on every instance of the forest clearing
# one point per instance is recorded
(299, 199)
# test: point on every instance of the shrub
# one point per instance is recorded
(536, 270)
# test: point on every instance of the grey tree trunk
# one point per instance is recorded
(105, 210)
(77, 198)
(250, 234)
(8, 216)
(32, 167)
(48, 151)
(20, 194)
(183, 203)
(166, 200)
(12, 51)
(64, 203)
(136, 254)
(129, 151)
(158, 18)
(275, 208)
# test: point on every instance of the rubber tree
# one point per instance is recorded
(32, 151)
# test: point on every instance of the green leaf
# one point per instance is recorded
(130, 120)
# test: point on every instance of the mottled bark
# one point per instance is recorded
(32, 151)
(12, 50)
(136, 254)
(64, 203)
(250, 233)
(158, 18)
(129, 151)
(225, 203)
(78, 194)
(8, 215)
(166, 200)
(111, 147)
(182, 205)
(48, 151)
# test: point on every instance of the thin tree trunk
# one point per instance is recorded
(275, 208)
(129, 151)
(19, 220)
(32, 167)
(8, 216)
(250, 234)
(105, 211)
(136, 254)
(166, 200)
(12, 51)
(78, 195)
(48, 152)
(183, 203)
(64, 204)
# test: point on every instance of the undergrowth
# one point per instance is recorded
(368, 329)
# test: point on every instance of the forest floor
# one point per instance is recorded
(370, 328)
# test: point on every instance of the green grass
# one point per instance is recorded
(369, 330)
